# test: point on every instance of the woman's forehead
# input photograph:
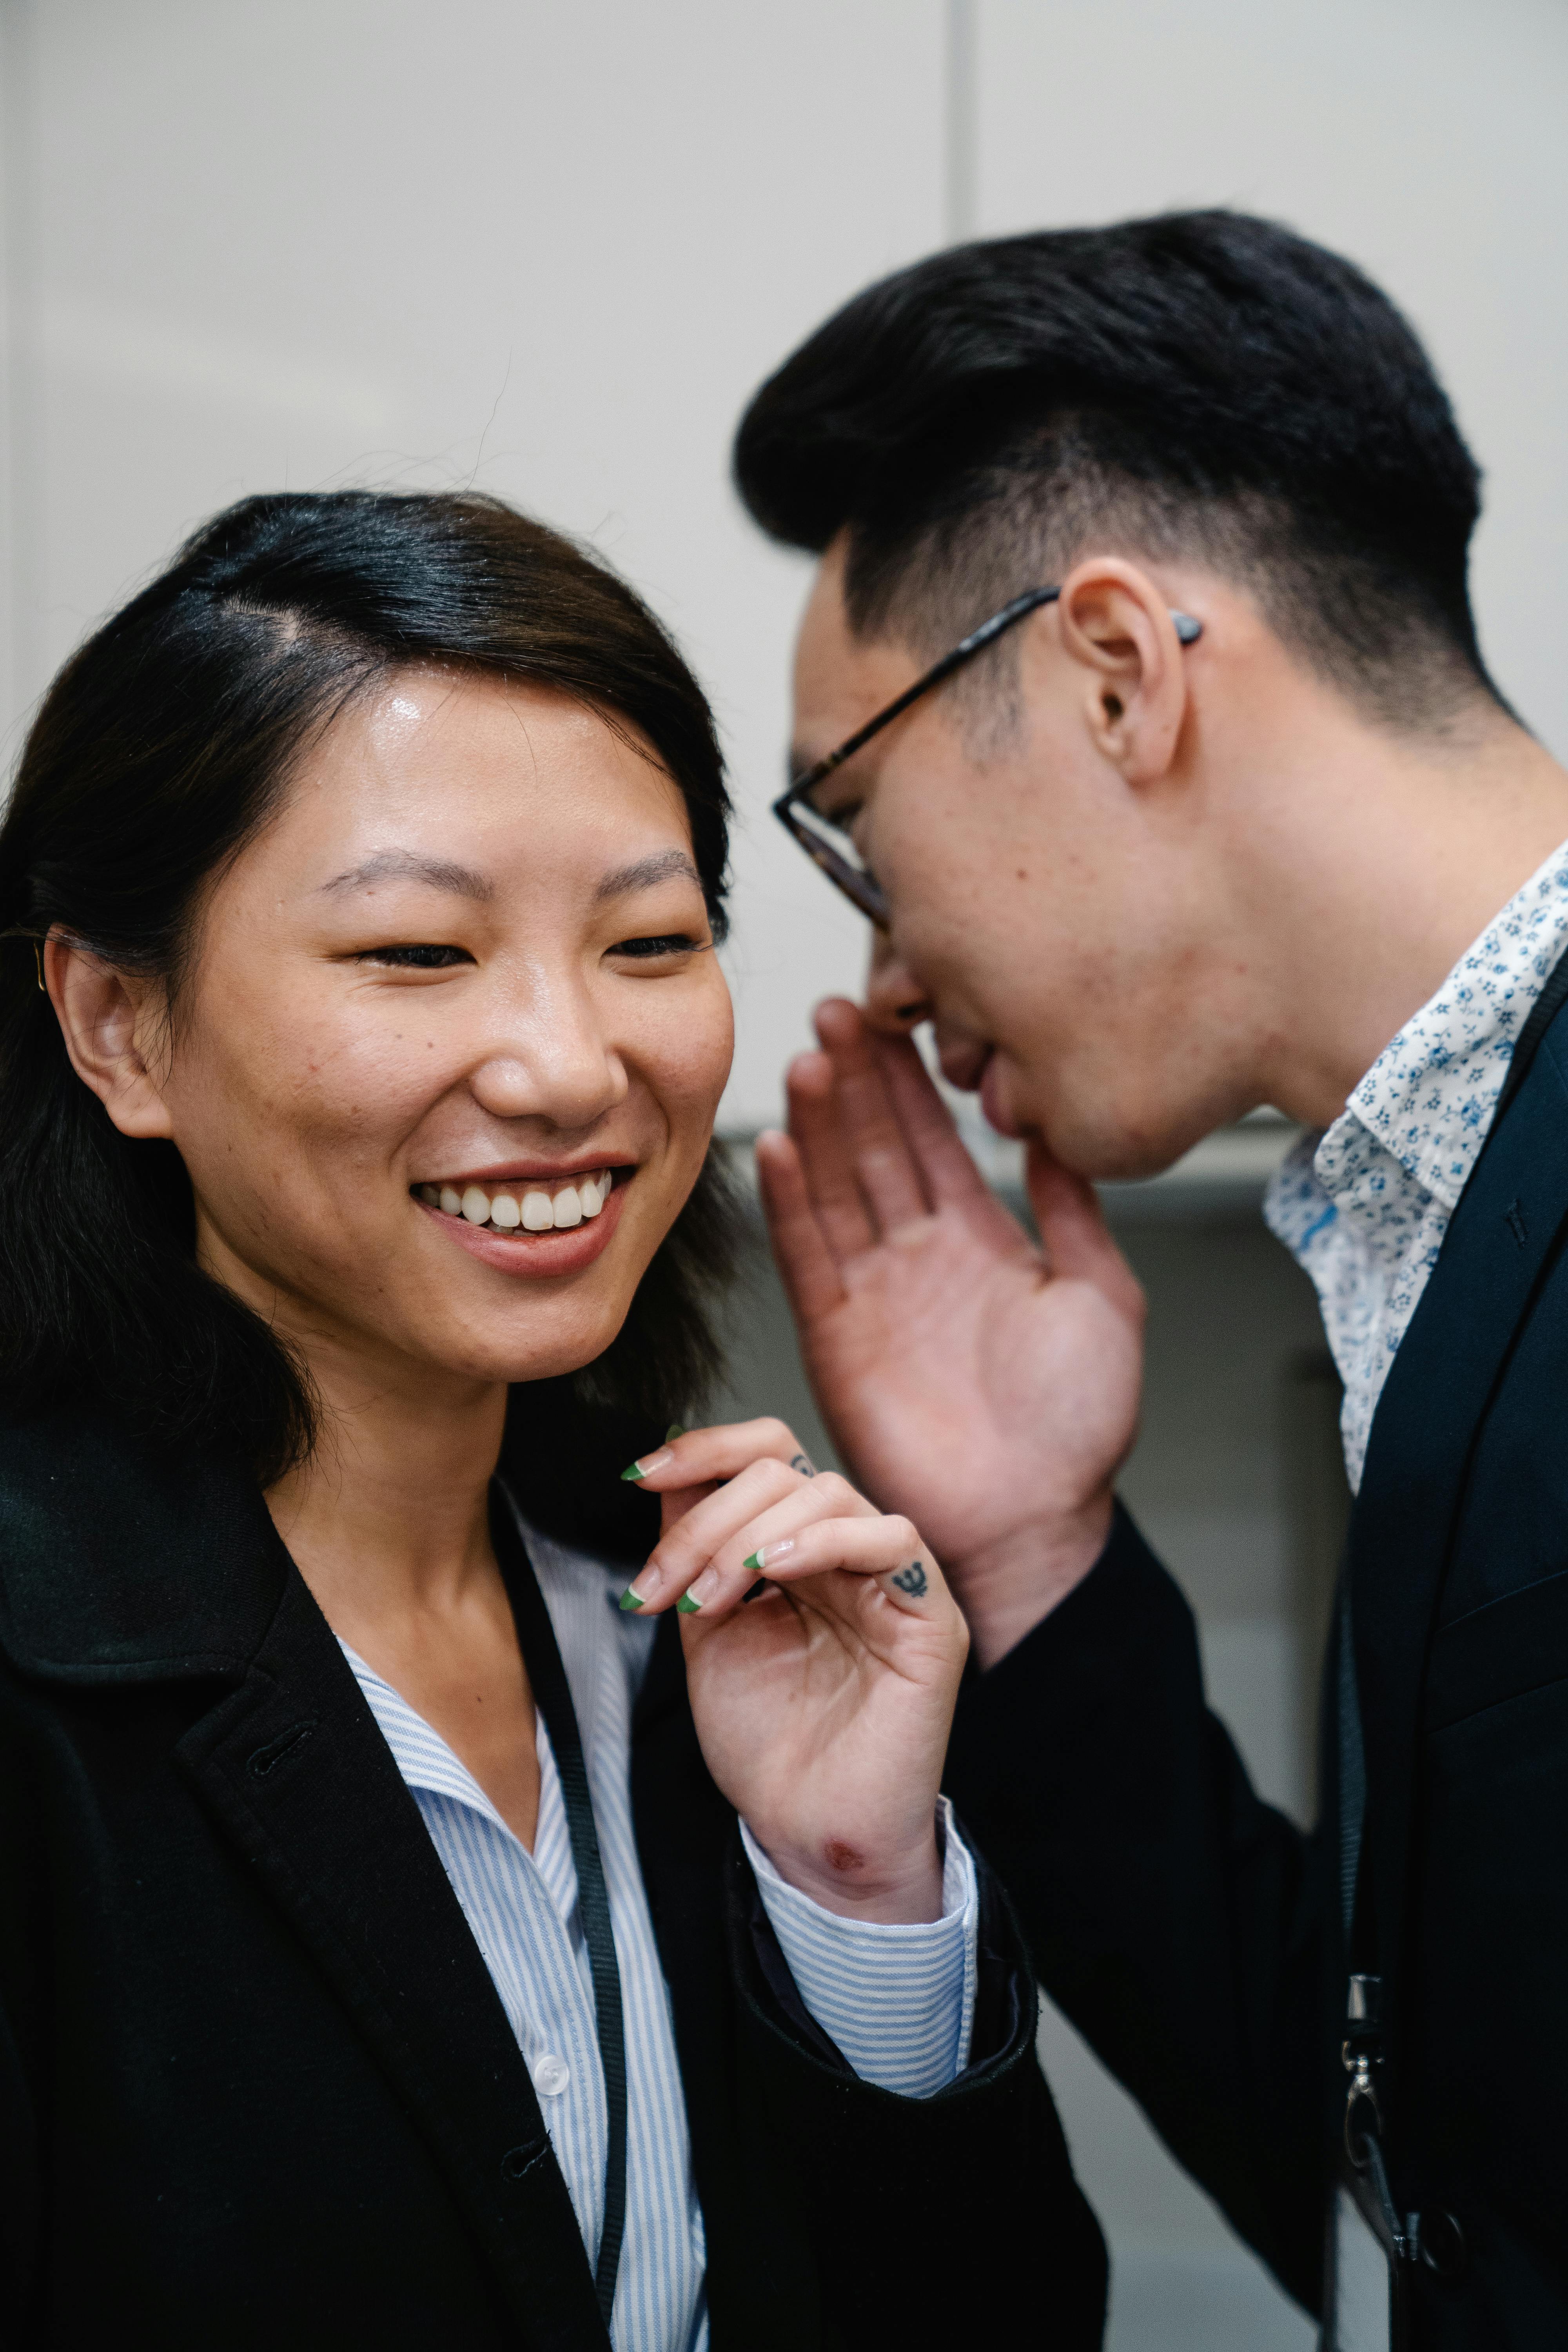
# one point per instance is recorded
(480, 776)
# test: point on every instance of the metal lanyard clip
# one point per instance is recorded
(1360, 2053)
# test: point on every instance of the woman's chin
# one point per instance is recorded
(554, 1346)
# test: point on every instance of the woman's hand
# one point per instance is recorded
(823, 1704)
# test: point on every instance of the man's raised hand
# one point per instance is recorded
(986, 1388)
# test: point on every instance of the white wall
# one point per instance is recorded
(1426, 139)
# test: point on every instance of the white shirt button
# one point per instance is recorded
(551, 2076)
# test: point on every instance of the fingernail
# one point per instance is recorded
(705, 1588)
(649, 1463)
(766, 1555)
(630, 1599)
(673, 1431)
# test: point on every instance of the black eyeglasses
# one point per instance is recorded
(828, 844)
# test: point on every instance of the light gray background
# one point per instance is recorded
(550, 251)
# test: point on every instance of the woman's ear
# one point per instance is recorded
(106, 1018)
(1117, 625)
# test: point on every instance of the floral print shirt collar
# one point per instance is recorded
(1363, 1206)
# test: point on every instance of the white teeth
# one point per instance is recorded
(537, 1213)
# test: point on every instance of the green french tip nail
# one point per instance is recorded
(754, 1560)
(636, 1471)
(687, 1606)
(629, 1599)
(673, 1431)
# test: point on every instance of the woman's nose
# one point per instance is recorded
(894, 1000)
(556, 1065)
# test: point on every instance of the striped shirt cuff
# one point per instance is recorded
(898, 2002)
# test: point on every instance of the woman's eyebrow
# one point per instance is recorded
(644, 872)
(413, 866)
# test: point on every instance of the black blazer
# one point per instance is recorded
(1194, 1936)
(256, 2085)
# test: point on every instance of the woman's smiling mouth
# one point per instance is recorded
(530, 1225)
(535, 1205)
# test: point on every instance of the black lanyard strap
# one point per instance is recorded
(552, 1697)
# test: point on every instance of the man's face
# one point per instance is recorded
(1060, 927)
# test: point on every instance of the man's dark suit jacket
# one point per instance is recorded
(256, 2088)
(1193, 1934)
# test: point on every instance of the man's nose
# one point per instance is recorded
(894, 1000)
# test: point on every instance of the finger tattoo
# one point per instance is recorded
(801, 1462)
(911, 1580)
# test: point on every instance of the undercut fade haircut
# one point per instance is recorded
(159, 753)
(1201, 385)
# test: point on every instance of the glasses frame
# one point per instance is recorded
(859, 888)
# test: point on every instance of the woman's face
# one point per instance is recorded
(448, 1061)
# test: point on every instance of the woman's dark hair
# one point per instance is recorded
(1202, 384)
(161, 748)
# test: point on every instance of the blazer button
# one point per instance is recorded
(1442, 2244)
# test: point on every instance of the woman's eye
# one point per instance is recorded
(662, 943)
(415, 959)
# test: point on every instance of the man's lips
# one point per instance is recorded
(972, 1067)
(994, 1100)
(963, 1063)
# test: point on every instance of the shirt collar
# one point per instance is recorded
(1429, 1098)
(420, 1753)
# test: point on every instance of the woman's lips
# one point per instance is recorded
(538, 1253)
(540, 1203)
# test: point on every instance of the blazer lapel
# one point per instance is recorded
(1431, 1406)
(293, 1769)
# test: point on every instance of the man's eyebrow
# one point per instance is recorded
(644, 872)
(414, 865)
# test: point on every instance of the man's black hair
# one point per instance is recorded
(1198, 384)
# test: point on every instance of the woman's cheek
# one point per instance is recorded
(704, 1046)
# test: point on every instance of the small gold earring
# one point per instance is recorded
(39, 960)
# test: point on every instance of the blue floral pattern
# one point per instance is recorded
(1364, 1205)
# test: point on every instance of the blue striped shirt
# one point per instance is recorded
(897, 2001)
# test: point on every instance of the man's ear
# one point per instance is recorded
(108, 1018)
(1117, 627)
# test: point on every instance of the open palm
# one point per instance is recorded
(985, 1386)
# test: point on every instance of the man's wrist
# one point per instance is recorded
(1013, 1584)
(899, 1890)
